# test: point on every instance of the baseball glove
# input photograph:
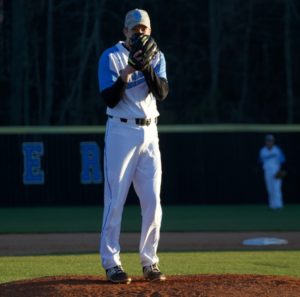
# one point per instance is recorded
(280, 174)
(147, 48)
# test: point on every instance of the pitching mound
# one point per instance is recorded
(196, 285)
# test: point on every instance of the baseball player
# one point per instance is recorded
(272, 158)
(132, 77)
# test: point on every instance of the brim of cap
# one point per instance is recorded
(139, 23)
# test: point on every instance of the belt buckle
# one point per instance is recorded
(143, 122)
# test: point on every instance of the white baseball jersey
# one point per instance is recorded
(138, 102)
(271, 158)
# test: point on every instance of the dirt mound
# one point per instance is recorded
(189, 285)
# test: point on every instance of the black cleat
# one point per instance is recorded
(152, 273)
(117, 275)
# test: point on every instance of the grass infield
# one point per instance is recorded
(176, 218)
(254, 262)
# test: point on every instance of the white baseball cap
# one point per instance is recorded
(137, 17)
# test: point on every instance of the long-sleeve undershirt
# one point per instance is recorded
(157, 85)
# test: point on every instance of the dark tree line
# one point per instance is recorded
(228, 61)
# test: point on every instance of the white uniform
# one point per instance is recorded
(272, 159)
(131, 155)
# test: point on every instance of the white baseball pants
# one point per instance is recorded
(131, 155)
(273, 186)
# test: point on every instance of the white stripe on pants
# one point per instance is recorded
(131, 155)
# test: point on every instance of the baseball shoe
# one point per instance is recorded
(117, 275)
(152, 273)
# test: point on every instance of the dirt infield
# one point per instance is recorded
(197, 285)
(32, 244)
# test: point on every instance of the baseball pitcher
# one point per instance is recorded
(132, 77)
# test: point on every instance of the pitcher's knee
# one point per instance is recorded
(155, 214)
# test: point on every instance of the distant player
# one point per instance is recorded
(272, 158)
(132, 77)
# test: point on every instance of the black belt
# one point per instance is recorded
(140, 122)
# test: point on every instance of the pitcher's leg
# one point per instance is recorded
(147, 183)
(112, 215)
(120, 159)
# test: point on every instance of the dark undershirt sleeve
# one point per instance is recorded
(113, 95)
(157, 85)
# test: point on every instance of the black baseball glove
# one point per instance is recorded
(280, 174)
(147, 47)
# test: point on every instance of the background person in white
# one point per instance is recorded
(272, 158)
(131, 148)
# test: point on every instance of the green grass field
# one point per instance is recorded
(176, 218)
(258, 262)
